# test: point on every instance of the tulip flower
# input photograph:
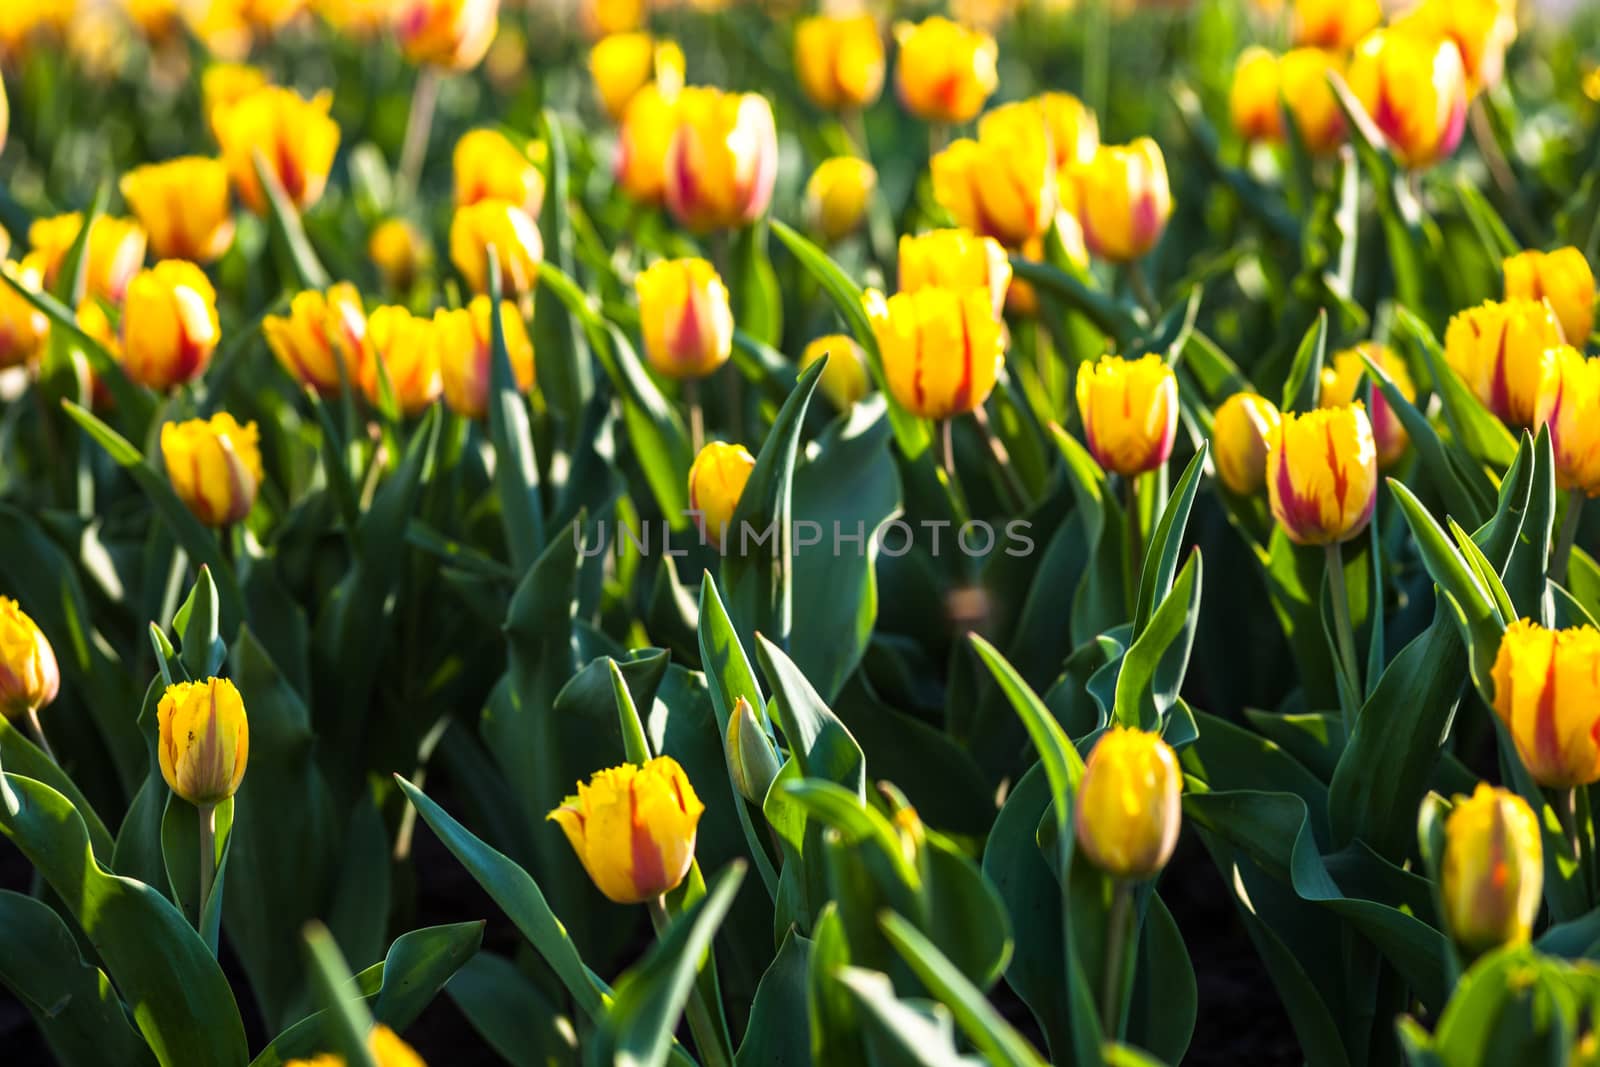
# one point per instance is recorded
(845, 379)
(839, 61)
(169, 324)
(115, 251)
(1574, 428)
(1127, 811)
(838, 194)
(1003, 185)
(633, 828)
(1561, 277)
(184, 205)
(642, 142)
(1547, 692)
(23, 327)
(1415, 89)
(402, 349)
(1504, 352)
(603, 17)
(1341, 378)
(294, 137)
(722, 160)
(204, 740)
(685, 317)
(1481, 30)
(955, 259)
(1122, 199)
(30, 677)
(214, 466)
(224, 84)
(1241, 433)
(322, 342)
(1130, 412)
(1334, 24)
(941, 348)
(1322, 475)
(716, 481)
(488, 166)
(624, 63)
(518, 246)
(453, 34)
(399, 251)
(1492, 872)
(358, 20)
(1074, 131)
(945, 71)
(1263, 84)
(461, 342)
(752, 760)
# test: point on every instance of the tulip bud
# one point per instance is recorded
(1334, 24)
(716, 482)
(633, 828)
(1415, 89)
(752, 759)
(399, 251)
(1263, 84)
(1122, 199)
(838, 194)
(518, 246)
(1492, 871)
(294, 137)
(1481, 30)
(955, 259)
(224, 84)
(1130, 412)
(322, 342)
(839, 61)
(1547, 692)
(1574, 430)
(1322, 475)
(941, 348)
(169, 324)
(1074, 131)
(945, 71)
(1003, 185)
(685, 317)
(30, 678)
(214, 466)
(23, 327)
(1126, 815)
(488, 166)
(461, 340)
(1504, 352)
(453, 34)
(184, 205)
(1342, 377)
(402, 349)
(624, 63)
(1562, 278)
(642, 142)
(204, 740)
(1241, 432)
(115, 251)
(722, 160)
(845, 379)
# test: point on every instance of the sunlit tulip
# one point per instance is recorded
(839, 61)
(941, 348)
(955, 259)
(399, 251)
(27, 23)
(401, 349)
(685, 317)
(30, 677)
(1342, 376)
(1264, 83)
(1074, 131)
(461, 341)
(1241, 433)
(603, 17)
(752, 760)
(322, 342)
(1547, 692)
(214, 466)
(454, 34)
(1492, 871)
(722, 160)
(203, 741)
(1574, 425)
(1335, 24)
(633, 828)
(1130, 412)
(944, 71)
(642, 143)
(1504, 352)
(518, 246)
(488, 166)
(1003, 185)
(624, 63)
(716, 481)
(1415, 89)
(1121, 199)
(23, 327)
(169, 324)
(1322, 475)
(1128, 809)
(385, 1046)
(293, 136)
(845, 379)
(224, 84)
(115, 251)
(837, 196)
(1481, 29)
(184, 205)
(1564, 279)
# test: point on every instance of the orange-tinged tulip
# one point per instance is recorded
(294, 137)
(1121, 199)
(454, 34)
(224, 84)
(1561, 277)
(1241, 433)
(837, 196)
(30, 677)
(955, 259)
(1574, 428)
(518, 246)
(642, 142)
(716, 481)
(941, 348)
(1415, 89)
(1074, 131)
(115, 251)
(1481, 29)
(322, 342)
(1504, 352)
(399, 251)
(722, 160)
(1128, 808)
(1547, 692)
(685, 317)
(23, 327)
(1334, 24)
(1263, 83)
(169, 324)
(1003, 185)
(488, 166)
(214, 466)
(204, 740)
(945, 71)
(1341, 378)
(1492, 872)
(845, 379)
(1130, 412)
(839, 61)
(623, 63)
(184, 205)
(633, 828)
(1322, 475)
(401, 348)
(462, 342)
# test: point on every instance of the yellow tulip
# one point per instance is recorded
(624, 63)
(1121, 199)
(294, 137)
(1504, 352)
(945, 71)
(359, 20)
(214, 466)
(399, 251)
(386, 1047)
(1130, 412)
(1342, 376)
(169, 324)
(489, 167)
(30, 677)
(941, 348)
(845, 379)
(204, 740)
(1481, 30)
(1253, 98)
(115, 251)
(322, 342)
(1415, 89)
(1003, 185)
(24, 23)
(23, 327)
(603, 17)
(642, 142)
(518, 246)
(1492, 872)
(839, 61)
(184, 205)
(1074, 131)
(752, 760)
(224, 84)
(401, 347)
(1128, 808)
(454, 34)
(1322, 475)
(955, 259)
(1264, 83)
(838, 194)
(1241, 433)
(1334, 24)
(716, 481)
(1574, 429)
(633, 828)
(462, 342)
(1564, 279)
(685, 317)
(1547, 692)
(722, 160)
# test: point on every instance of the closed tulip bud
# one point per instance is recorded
(1492, 872)
(1128, 809)
(845, 379)
(461, 340)
(488, 166)
(401, 349)
(1322, 475)
(1415, 89)
(1241, 433)
(399, 251)
(224, 84)
(1074, 131)
(716, 481)
(322, 342)
(115, 251)
(1574, 430)
(214, 466)
(204, 740)
(945, 71)
(1561, 277)
(30, 678)
(518, 246)
(633, 828)
(642, 142)
(23, 327)
(1504, 352)
(1003, 185)
(839, 61)
(941, 348)
(1263, 84)
(1481, 29)
(624, 63)
(838, 194)
(184, 205)
(722, 161)
(169, 324)
(685, 317)
(1334, 24)
(453, 34)
(294, 137)
(1130, 412)
(752, 760)
(1342, 377)
(955, 259)
(1547, 692)
(1121, 199)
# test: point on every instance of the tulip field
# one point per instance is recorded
(822, 533)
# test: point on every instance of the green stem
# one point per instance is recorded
(208, 855)
(419, 123)
(1016, 492)
(1116, 953)
(1133, 566)
(1141, 289)
(707, 1038)
(38, 735)
(1569, 534)
(1344, 633)
(697, 417)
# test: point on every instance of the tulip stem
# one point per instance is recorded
(208, 855)
(948, 438)
(1569, 533)
(1141, 289)
(697, 416)
(419, 123)
(1133, 566)
(1016, 492)
(1500, 172)
(706, 1034)
(38, 735)
(1344, 634)
(1116, 952)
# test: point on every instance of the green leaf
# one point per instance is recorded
(1153, 667)
(287, 227)
(1166, 542)
(1119, 319)
(901, 1033)
(1304, 384)
(512, 1014)
(821, 746)
(1471, 425)
(565, 375)
(778, 1035)
(758, 302)
(180, 847)
(346, 1020)
(516, 469)
(21, 756)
